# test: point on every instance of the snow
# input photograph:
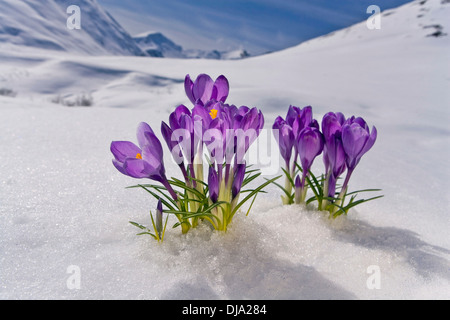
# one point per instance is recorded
(63, 204)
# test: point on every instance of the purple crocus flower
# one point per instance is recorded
(159, 218)
(145, 161)
(333, 153)
(182, 125)
(298, 189)
(213, 184)
(215, 140)
(167, 134)
(285, 139)
(335, 156)
(205, 89)
(299, 119)
(247, 129)
(238, 180)
(356, 141)
(310, 145)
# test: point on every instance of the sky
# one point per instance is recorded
(258, 26)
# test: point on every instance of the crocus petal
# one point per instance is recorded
(124, 149)
(243, 110)
(310, 145)
(175, 116)
(222, 89)
(119, 166)
(341, 118)
(251, 120)
(292, 115)
(354, 137)
(370, 142)
(238, 180)
(188, 84)
(167, 132)
(154, 144)
(142, 130)
(339, 164)
(362, 123)
(137, 168)
(330, 125)
(284, 137)
(203, 87)
(278, 123)
(334, 155)
(201, 114)
(158, 220)
(151, 156)
(298, 182)
(306, 115)
(213, 184)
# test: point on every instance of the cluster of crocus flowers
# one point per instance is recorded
(210, 136)
(300, 141)
(209, 141)
(341, 141)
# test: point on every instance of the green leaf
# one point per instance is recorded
(289, 177)
(288, 195)
(183, 185)
(310, 200)
(351, 204)
(140, 226)
(164, 202)
(317, 184)
(251, 204)
(150, 234)
(250, 179)
(365, 190)
(176, 225)
(252, 194)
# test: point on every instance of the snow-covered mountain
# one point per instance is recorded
(155, 44)
(43, 24)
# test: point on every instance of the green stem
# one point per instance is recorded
(326, 186)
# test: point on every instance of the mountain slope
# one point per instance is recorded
(43, 24)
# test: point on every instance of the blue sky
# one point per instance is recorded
(256, 25)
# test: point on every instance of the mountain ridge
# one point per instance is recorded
(44, 25)
(156, 44)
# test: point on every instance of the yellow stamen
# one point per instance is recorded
(139, 156)
(213, 113)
